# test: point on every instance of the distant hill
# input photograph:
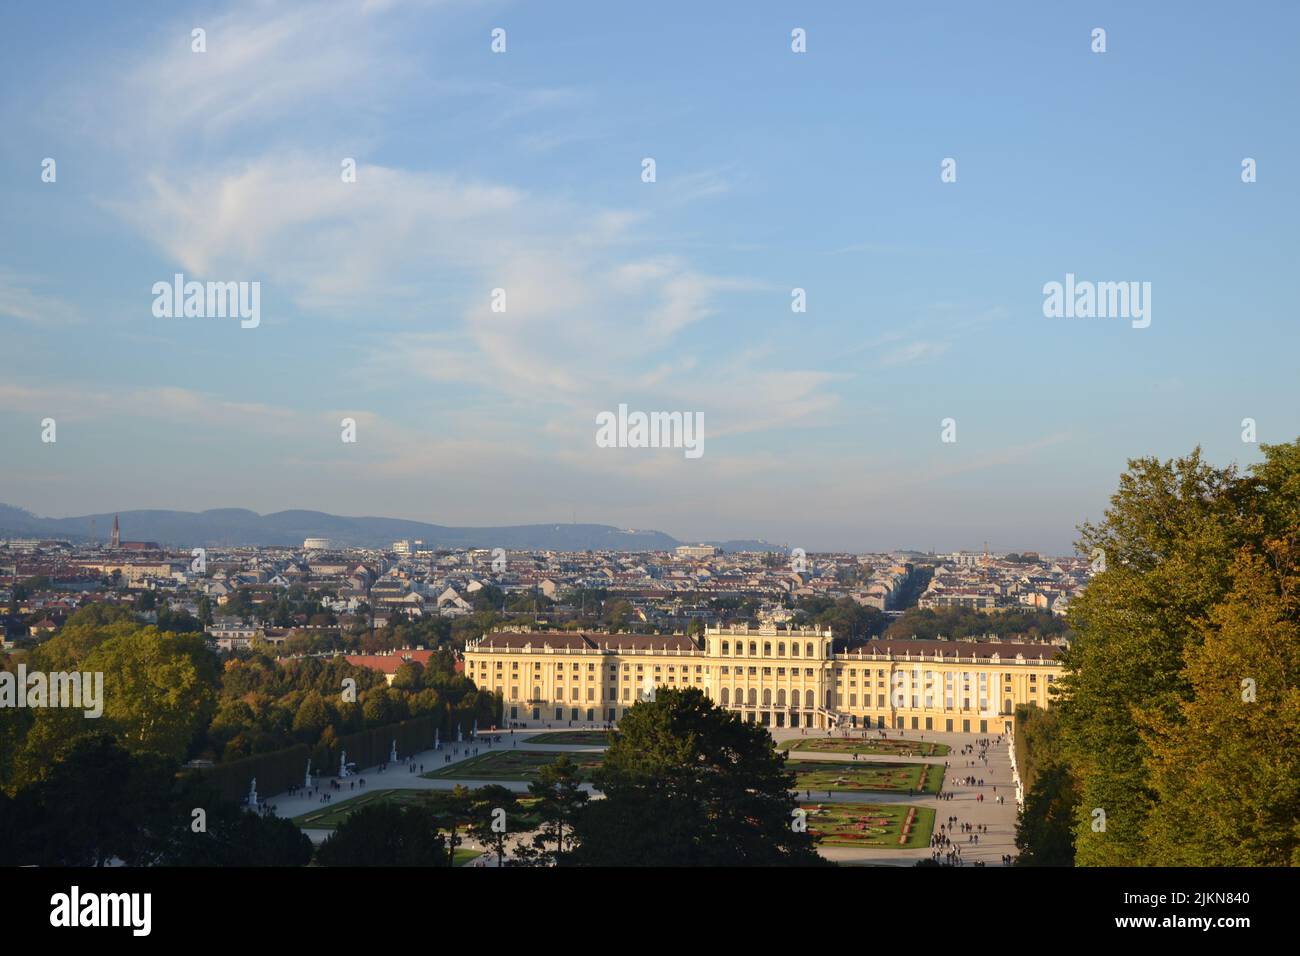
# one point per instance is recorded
(231, 527)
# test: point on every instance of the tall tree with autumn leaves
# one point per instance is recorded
(1161, 730)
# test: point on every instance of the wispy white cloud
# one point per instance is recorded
(20, 300)
(239, 178)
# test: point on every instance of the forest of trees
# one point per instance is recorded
(952, 623)
(1174, 740)
(169, 693)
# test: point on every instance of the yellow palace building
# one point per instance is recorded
(779, 677)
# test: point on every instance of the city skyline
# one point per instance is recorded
(520, 170)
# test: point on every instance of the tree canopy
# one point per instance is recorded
(687, 783)
(1180, 693)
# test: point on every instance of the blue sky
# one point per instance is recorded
(522, 170)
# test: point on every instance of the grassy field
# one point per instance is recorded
(463, 856)
(869, 825)
(826, 775)
(329, 816)
(577, 738)
(513, 765)
(866, 745)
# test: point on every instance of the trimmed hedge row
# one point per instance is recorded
(275, 772)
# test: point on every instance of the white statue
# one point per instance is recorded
(437, 744)
(459, 736)
(307, 779)
(343, 764)
(252, 794)
(392, 754)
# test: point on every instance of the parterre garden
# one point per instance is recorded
(869, 825)
(866, 745)
(829, 775)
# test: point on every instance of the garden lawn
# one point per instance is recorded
(575, 738)
(330, 815)
(521, 765)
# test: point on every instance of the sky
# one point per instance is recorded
(522, 170)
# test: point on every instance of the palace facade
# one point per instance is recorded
(779, 677)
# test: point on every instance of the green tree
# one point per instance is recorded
(1166, 540)
(383, 834)
(451, 811)
(1226, 773)
(383, 706)
(409, 676)
(560, 800)
(1196, 596)
(96, 803)
(230, 836)
(1045, 827)
(688, 783)
(159, 689)
(312, 717)
(618, 614)
(494, 816)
